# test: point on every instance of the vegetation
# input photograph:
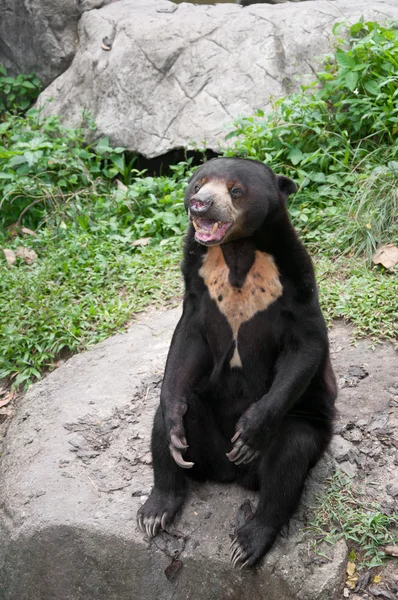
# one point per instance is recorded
(108, 238)
(338, 139)
(344, 513)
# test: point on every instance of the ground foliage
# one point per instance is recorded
(344, 512)
(88, 213)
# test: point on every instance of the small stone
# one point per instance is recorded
(379, 421)
(340, 448)
(76, 443)
(392, 489)
(146, 459)
(354, 435)
(358, 372)
(393, 389)
(349, 468)
(87, 453)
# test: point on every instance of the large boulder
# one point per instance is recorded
(40, 35)
(75, 469)
(157, 76)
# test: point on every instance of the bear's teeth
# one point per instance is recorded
(214, 228)
(195, 225)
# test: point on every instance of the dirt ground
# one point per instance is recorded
(367, 422)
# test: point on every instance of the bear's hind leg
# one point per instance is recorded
(282, 472)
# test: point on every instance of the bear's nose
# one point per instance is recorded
(200, 203)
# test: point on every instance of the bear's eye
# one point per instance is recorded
(236, 191)
(197, 187)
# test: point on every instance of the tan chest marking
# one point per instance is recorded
(260, 289)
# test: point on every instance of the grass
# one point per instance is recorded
(73, 299)
(366, 298)
(81, 289)
(344, 513)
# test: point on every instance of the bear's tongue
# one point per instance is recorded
(207, 230)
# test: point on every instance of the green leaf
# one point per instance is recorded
(344, 60)
(119, 161)
(295, 155)
(28, 85)
(356, 28)
(372, 87)
(17, 160)
(318, 177)
(352, 557)
(351, 80)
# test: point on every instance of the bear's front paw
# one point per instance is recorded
(253, 433)
(242, 452)
(178, 445)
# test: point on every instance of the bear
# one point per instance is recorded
(248, 392)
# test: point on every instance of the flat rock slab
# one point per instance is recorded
(76, 467)
(156, 76)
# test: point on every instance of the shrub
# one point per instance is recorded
(332, 136)
(17, 93)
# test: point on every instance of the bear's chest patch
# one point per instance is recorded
(239, 304)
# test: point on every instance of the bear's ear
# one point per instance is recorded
(286, 185)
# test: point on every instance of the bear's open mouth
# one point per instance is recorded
(209, 230)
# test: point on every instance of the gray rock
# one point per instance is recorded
(67, 511)
(392, 488)
(379, 421)
(340, 449)
(348, 468)
(40, 35)
(176, 75)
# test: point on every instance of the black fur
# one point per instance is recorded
(278, 407)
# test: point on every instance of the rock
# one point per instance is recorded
(177, 75)
(357, 371)
(348, 468)
(340, 449)
(40, 35)
(379, 421)
(392, 488)
(393, 389)
(70, 533)
(353, 435)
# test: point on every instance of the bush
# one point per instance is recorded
(17, 93)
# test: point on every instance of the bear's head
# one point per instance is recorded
(230, 198)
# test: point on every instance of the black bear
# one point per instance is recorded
(248, 392)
